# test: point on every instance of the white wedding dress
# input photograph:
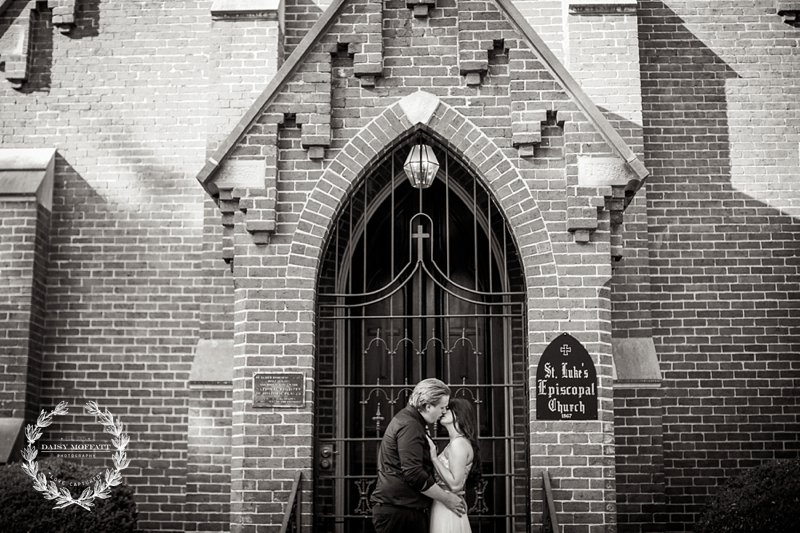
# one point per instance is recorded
(443, 520)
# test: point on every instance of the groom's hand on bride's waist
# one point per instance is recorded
(457, 504)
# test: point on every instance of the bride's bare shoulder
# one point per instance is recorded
(462, 447)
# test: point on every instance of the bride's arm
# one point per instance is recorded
(456, 475)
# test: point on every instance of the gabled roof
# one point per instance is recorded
(548, 58)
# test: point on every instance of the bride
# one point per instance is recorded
(454, 464)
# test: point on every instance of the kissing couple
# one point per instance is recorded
(420, 490)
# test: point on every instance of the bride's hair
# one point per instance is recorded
(464, 416)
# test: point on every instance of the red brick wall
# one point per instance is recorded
(38, 310)
(217, 304)
(244, 55)
(721, 138)
(547, 18)
(299, 16)
(24, 227)
(208, 497)
(604, 55)
(18, 225)
(124, 98)
(275, 284)
(639, 458)
(604, 58)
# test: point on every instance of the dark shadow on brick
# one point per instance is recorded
(75, 203)
(109, 281)
(724, 270)
(638, 431)
(40, 59)
(43, 33)
(87, 20)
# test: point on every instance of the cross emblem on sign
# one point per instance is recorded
(565, 350)
(419, 235)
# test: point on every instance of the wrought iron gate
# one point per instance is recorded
(419, 284)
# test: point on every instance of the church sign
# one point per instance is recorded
(278, 390)
(566, 382)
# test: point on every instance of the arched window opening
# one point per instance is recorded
(419, 283)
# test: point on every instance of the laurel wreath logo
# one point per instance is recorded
(102, 486)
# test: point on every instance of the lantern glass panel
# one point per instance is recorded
(421, 166)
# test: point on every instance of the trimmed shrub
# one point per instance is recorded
(23, 510)
(764, 498)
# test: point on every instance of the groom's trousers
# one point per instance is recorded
(393, 519)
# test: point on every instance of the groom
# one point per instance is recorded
(405, 487)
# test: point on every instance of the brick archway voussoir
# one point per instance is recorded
(472, 145)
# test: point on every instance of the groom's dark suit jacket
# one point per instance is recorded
(405, 468)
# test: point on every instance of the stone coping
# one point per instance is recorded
(602, 3)
(213, 363)
(635, 361)
(603, 171)
(233, 7)
(27, 172)
(26, 158)
(602, 7)
(10, 437)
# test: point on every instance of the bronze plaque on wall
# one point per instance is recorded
(279, 390)
(566, 382)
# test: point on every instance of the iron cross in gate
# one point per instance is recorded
(419, 235)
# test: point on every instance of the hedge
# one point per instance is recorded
(761, 499)
(23, 510)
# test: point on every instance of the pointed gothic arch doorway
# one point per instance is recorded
(414, 284)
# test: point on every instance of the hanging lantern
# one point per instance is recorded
(421, 166)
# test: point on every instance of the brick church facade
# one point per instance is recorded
(205, 201)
